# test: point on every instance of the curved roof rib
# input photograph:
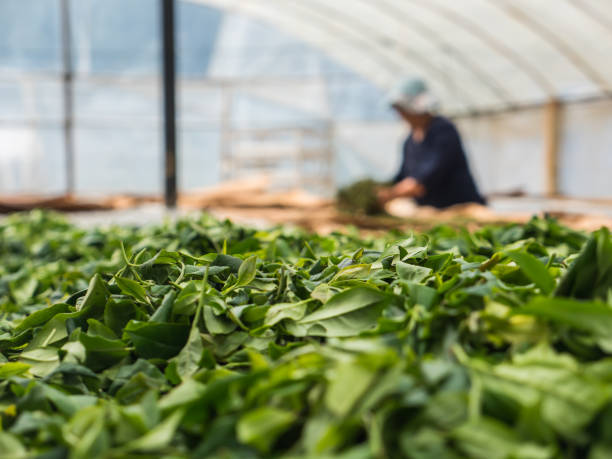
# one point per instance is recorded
(496, 45)
(554, 39)
(466, 53)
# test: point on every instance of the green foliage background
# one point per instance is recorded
(201, 338)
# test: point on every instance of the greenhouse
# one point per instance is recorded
(305, 229)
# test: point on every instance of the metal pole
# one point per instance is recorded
(67, 77)
(167, 19)
(227, 165)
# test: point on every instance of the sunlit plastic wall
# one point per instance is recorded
(507, 150)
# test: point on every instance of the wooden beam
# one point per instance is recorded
(552, 112)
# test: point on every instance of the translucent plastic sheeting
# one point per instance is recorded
(27, 155)
(500, 146)
(476, 54)
(30, 147)
(584, 157)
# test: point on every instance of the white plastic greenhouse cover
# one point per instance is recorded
(478, 55)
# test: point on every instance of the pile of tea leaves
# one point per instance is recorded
(361, 198)
(201, 338)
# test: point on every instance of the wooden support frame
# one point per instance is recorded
(552, 138)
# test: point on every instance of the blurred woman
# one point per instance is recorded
(434, 168)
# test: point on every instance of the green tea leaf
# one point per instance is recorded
(589, 316)
(132, 288)
(347, 313)
(42, 316)
(10, 369)
(158, 437)
(534, 270)
(247, 271)
(262, 426)
(412, 273)
(157, 339)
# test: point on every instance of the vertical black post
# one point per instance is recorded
(67, 89)
(167, 19)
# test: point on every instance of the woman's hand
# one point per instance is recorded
(409, 187)
(385, 195)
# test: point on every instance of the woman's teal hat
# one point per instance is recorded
(413, 95)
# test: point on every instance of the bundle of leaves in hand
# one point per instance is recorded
(199, 338)
(361, 197)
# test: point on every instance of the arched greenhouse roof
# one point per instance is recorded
(478, 55)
